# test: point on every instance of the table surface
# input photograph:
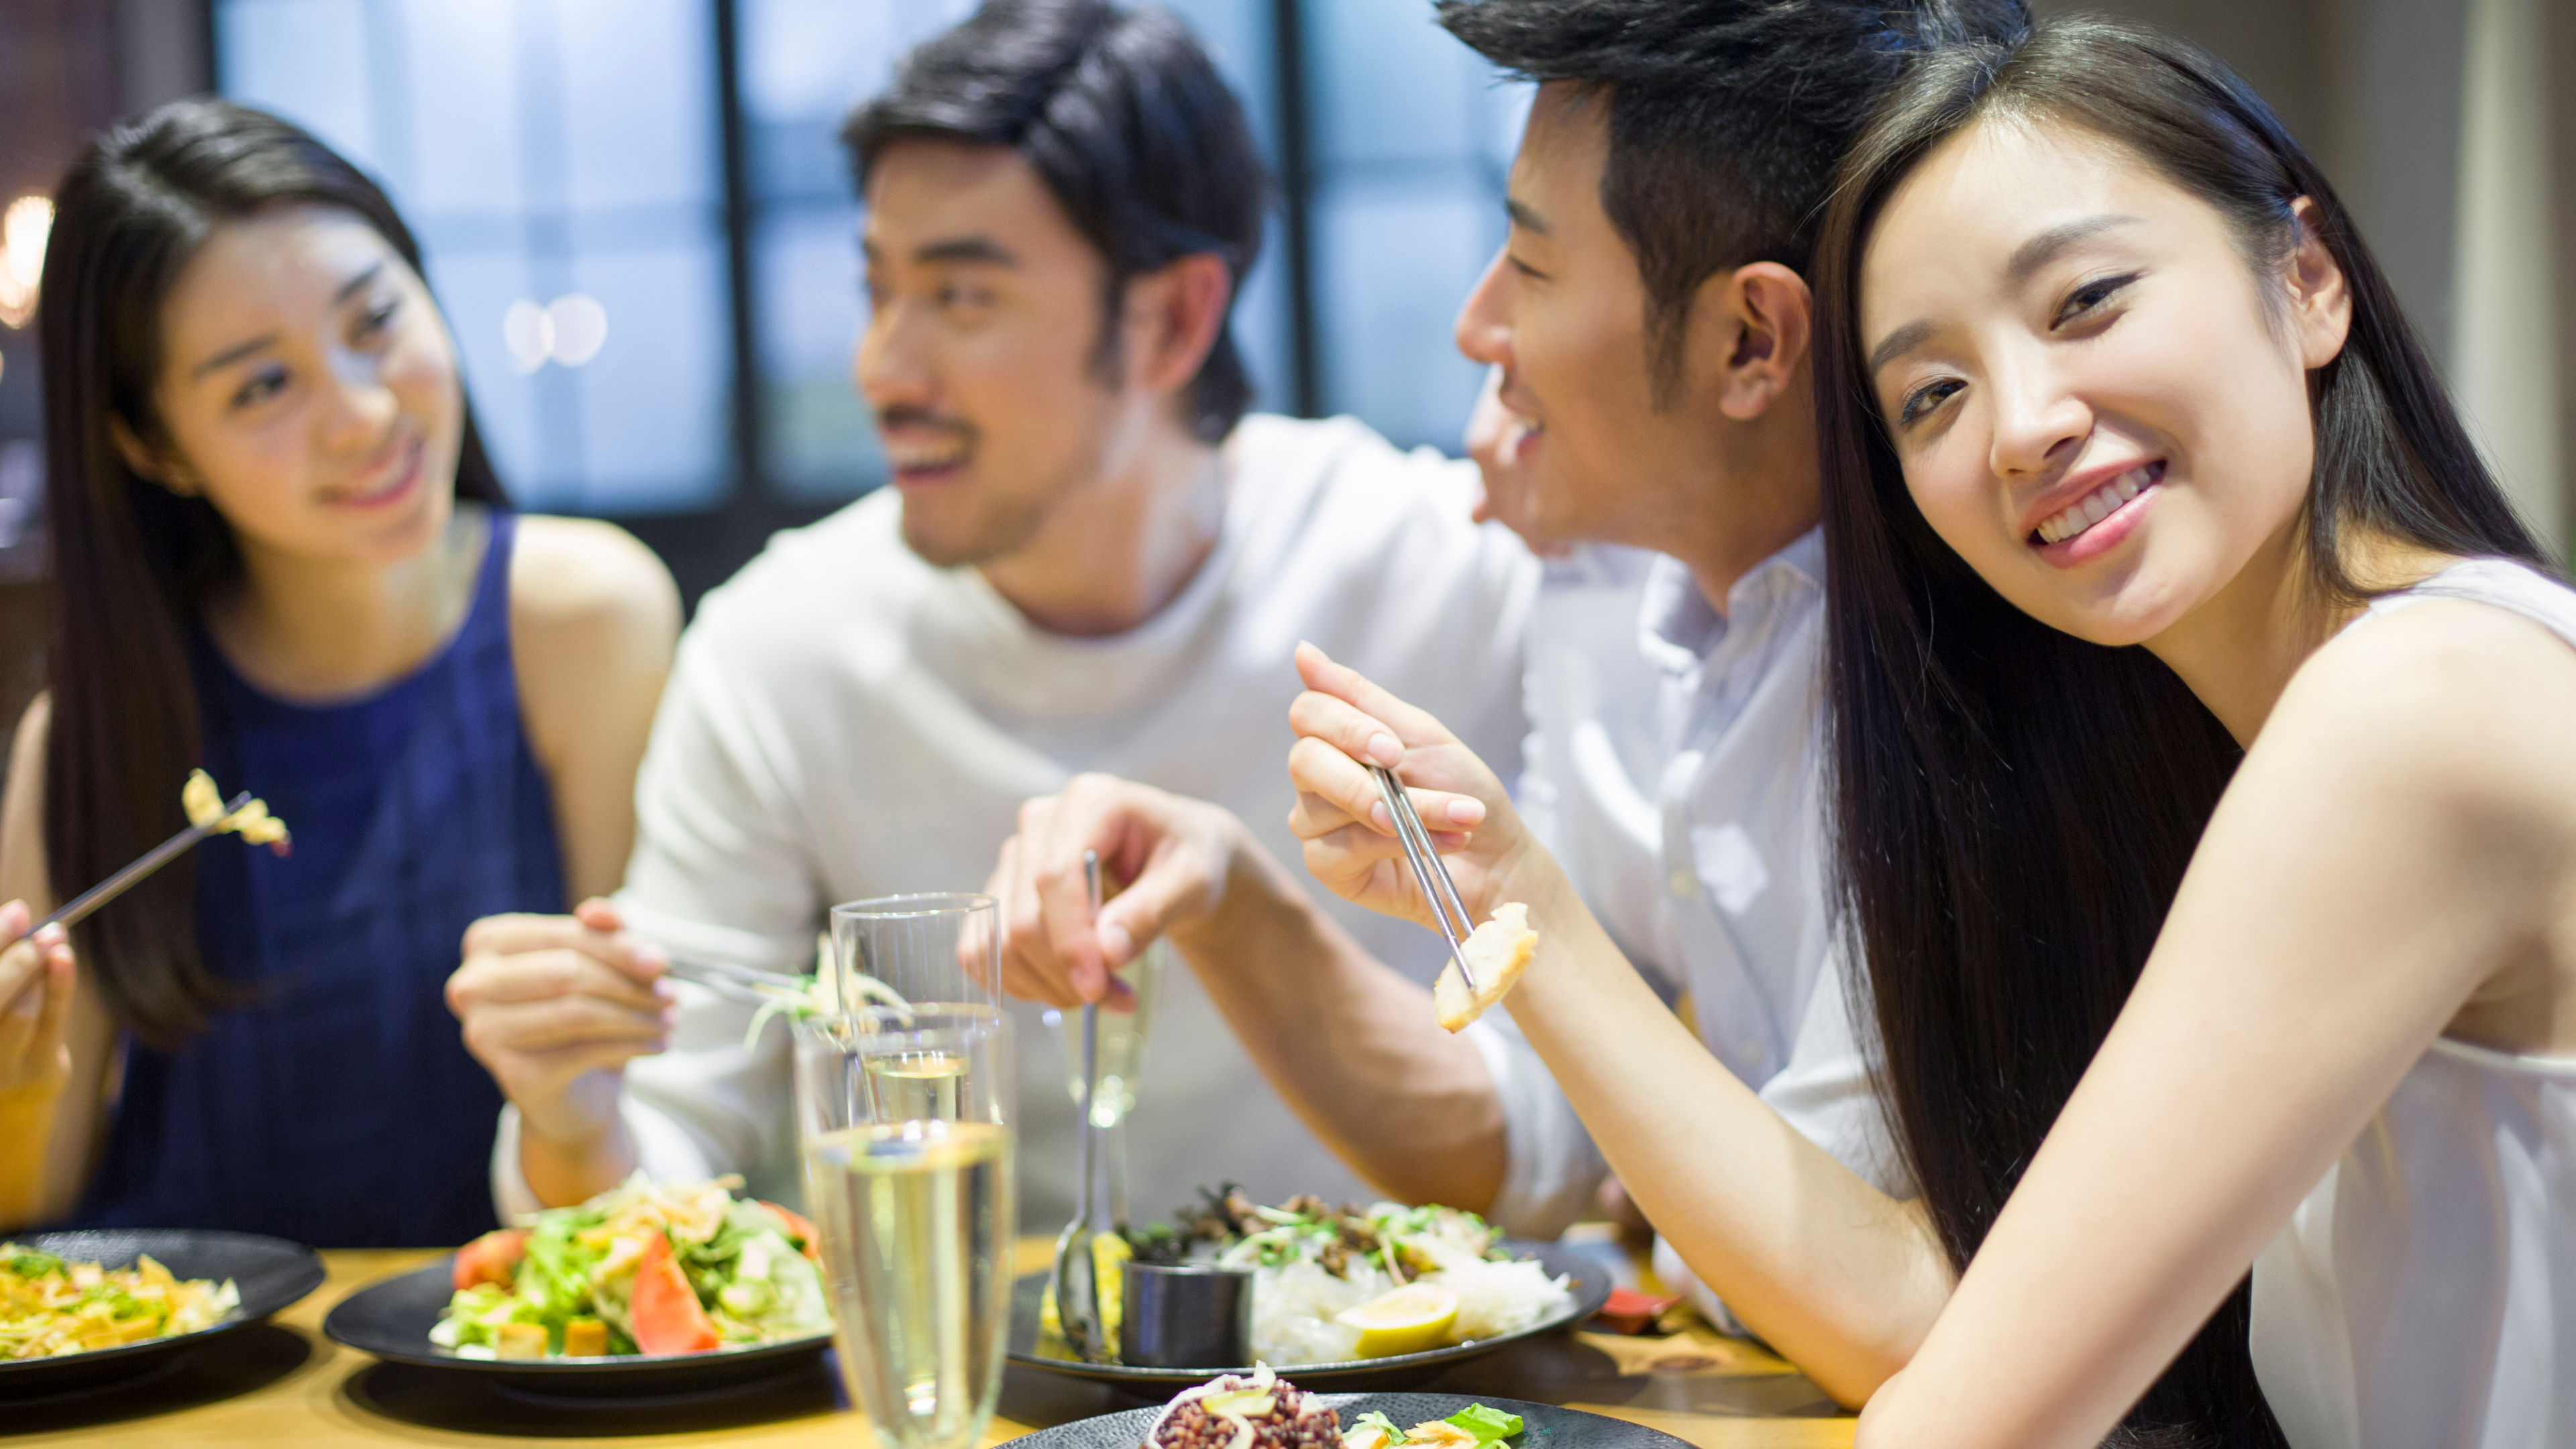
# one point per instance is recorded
(283, 1383)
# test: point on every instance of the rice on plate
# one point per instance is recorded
(1313, 1265)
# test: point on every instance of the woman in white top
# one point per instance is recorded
(2103, 364)
(2095, 329)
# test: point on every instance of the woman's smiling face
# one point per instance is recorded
(2096, 399)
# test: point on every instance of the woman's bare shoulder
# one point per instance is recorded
(2449, 704)
(590, 581)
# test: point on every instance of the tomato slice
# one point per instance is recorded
(801, 1227)
(665, 1309)
(491, 1258)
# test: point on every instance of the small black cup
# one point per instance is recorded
(1186, 1315)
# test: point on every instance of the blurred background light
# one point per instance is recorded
(23, 230)
(580, 327)
(569, 330)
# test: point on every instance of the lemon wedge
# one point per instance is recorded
(1408, 1320)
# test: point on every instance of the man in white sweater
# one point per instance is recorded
(1089, 560)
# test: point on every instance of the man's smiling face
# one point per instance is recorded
(1562, 310)
(981, 353)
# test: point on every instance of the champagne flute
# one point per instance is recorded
(916, 1216)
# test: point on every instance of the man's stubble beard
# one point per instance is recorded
(1005, 529)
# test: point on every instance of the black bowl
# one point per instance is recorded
(1543, 1426)
(271, 1273)
(391, 1318)
(1588, 1283)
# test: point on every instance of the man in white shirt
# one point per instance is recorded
(1086, 562)
(1649, 325)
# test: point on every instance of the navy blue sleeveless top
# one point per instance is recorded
(339, 1107)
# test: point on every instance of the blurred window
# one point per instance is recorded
(565, 165)
(560, 162)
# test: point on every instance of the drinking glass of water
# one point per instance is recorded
(942, 1057)
(907, 1148)
(938, 952)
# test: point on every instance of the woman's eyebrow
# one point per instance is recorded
(231, 355)
(356, 284)
(1898, 343)
(2044, 248)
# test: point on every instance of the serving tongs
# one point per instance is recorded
(1438, 890)
(88, 902)
(1077, 1271)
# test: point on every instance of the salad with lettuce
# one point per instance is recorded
(649, 1268)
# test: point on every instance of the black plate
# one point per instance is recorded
(1588, 1283)
(270, 1273)
(1543, 1426)
(391, 1318)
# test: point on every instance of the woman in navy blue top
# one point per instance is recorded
(281, 554)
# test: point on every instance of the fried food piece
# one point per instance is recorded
(1499, 951)
(521, 1340)
(585, 1338)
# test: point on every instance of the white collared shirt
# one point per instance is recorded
(1675, 768)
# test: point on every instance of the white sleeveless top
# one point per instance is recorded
(2424, 1294)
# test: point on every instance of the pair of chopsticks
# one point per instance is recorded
(1438, 890)
(87, 903)
(741, 983)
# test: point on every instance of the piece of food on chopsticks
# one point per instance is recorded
(643, 1268)
(1472, 1427)
(50, 1307)
(1333, 1285)
(1498, 952)
(1258, 1410)
(802, 998)
(205, 806)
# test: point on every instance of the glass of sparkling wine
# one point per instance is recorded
(916, 1215)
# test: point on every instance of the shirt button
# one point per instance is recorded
(1684, 884)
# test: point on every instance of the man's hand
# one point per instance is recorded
(1345, 723)
(1173, 853)
(35, 1004)
(554, 1007)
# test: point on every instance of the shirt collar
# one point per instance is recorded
(1678, 630)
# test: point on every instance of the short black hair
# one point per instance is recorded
(1726, 117)
(1126, 121)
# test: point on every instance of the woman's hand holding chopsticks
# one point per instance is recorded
(1345, 724)
(35, 1004)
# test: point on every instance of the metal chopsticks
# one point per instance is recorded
(87, 903)
(742, 983)
(1438, 890)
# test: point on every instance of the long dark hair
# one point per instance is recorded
(2014, 807)
(130, 558)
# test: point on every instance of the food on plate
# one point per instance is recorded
(643, 1268)
(1258, 1410)
(1472, 1427)
(1409, 1319)
(1498, 952)
(50, 1307)
(1327, 1282)
(205, 806)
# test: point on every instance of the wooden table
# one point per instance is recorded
(284, 1384)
